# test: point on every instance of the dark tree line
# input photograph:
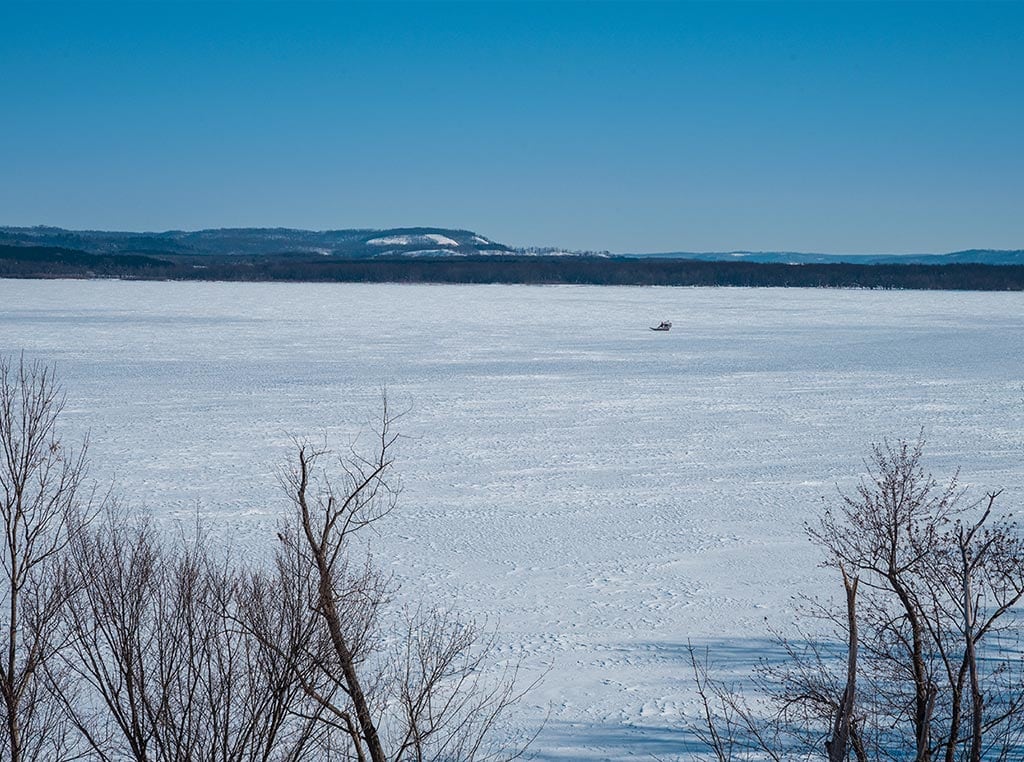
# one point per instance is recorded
(43, 261)
(120, 643)
(39, 262)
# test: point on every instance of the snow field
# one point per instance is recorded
(598, 492)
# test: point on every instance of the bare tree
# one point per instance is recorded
(415, 687)
(933, 659)
(941, 576)
(890, 531)
(976, 581)
(41, 491)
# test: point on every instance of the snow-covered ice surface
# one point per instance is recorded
(601, 492)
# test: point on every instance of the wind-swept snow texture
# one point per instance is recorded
(599, 492)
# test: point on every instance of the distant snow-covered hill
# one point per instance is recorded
(353, 243)
(359, 243)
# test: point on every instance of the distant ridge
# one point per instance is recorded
(353, 243)
(969, 256)
(360, 243)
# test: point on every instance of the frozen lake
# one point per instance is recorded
(601, 492)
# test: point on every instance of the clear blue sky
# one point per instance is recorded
(822, 126)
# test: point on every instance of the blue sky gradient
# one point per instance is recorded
(824, 126)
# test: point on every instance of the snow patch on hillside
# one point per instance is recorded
(413, 240)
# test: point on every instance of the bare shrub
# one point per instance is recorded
(121, 643)
(170, 673)
(178, 653)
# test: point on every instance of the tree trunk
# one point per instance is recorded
(924, 691)
(330, 613)
(971, 656)
(838, 744)
(348, 667)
